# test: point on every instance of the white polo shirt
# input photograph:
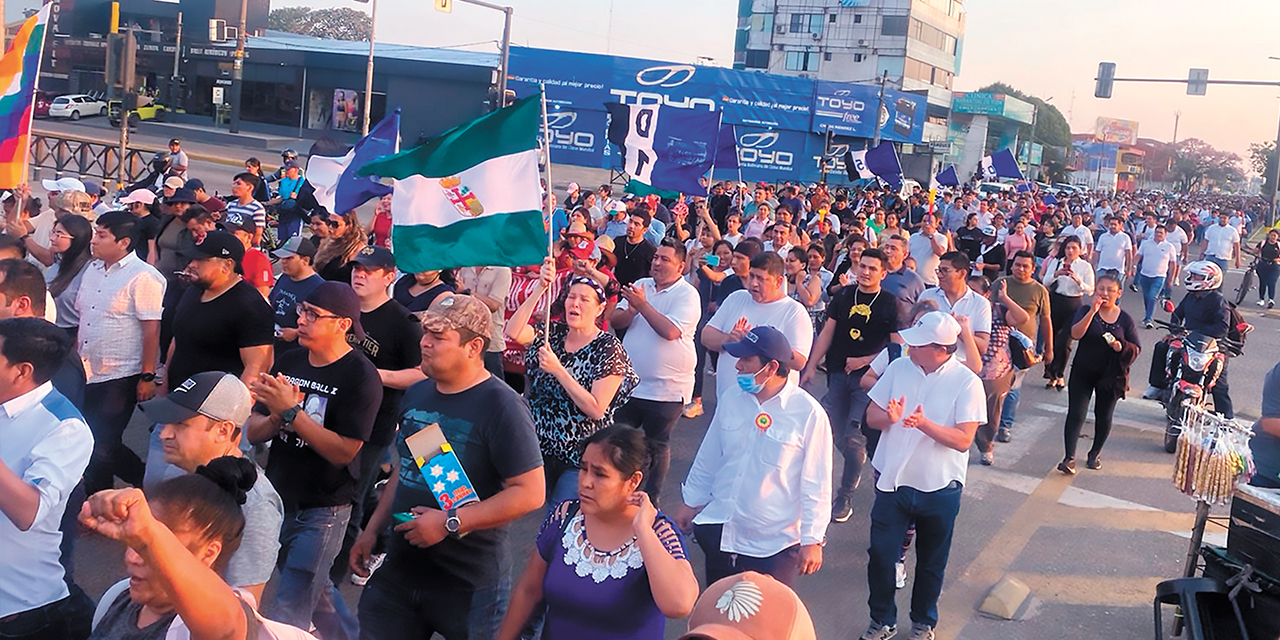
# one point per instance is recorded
(1221, 241)
(47, 444)
(950, 395)
(1082, 232)
(784, 314)
(1156, 257)
(970, 305)
(1177, 238)
(1113, 249)
(771, 487)
(665, 366)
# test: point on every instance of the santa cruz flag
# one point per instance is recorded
(880, 162)
(338, 189)
(664, 147)
(471, 196)
(1001, 165)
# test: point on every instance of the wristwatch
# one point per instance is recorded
(288, 415)
(452, 524)
(148, 376)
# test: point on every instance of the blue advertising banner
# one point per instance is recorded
(848, 109)
(577, 136)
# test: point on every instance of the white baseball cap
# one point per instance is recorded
(62, 184)
(573, 186)
(934, 327)
(145, 196)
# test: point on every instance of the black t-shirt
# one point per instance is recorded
(863, 324)
(148, 229)
(284, 299)
(730, 284)
(969, 240)
(208, 336)
(392, 342)
(491, 430)
(401, 293)
(343, 396)
(633, 260)
(337, 270)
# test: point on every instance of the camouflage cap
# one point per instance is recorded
(457, 312)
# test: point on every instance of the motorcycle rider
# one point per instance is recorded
(1204, 310)
(286, 156)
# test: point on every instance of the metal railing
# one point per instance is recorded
(82, 158)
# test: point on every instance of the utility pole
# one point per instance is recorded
(1275, 186)
(237, 75)
(177, 47)
(1177, 116)
(368, 72)
(128, 99)
(875, 139)
(446, 6)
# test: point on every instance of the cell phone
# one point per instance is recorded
(713, 260)
(1109, 338)
(403, 516)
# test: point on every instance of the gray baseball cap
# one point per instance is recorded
(214, 394)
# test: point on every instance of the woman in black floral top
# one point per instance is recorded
(575, 384)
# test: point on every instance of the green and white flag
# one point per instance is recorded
(471, 196)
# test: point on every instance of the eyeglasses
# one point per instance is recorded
(311, 315)
(334, 223)
(942, 271)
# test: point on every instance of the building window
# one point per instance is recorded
(932, 36)
(831, 18)
(763, 21)
(826, 57)
(857, 18)
(756, 59)
(806, 23)
(859, 57)
(801, 61)
(894, 26)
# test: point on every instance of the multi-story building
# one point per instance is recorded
(917, 43)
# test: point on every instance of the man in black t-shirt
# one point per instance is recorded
(391, 342)
(445, 570)
(317, 410)
(221, 322)
(298, 278)
(859, 322)
(635, 253)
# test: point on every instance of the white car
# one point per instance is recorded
(77, 105)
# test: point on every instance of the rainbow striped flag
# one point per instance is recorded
(19, 69)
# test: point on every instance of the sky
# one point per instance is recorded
(1050, 50)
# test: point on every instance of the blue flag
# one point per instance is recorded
(1001, 164)
(727, 148)
(947, 177)
(880, 162)
(338, 189)
(1022, 187)
(1049, 199)
(665, 147)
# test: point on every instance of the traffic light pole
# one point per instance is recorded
(505, 57)
(237, 75)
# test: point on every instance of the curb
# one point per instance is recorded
(203, 157)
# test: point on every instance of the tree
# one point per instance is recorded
(1262, 159)
(1051, 127)
(1197, 165)
(334, 24)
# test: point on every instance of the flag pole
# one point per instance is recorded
(550, 211)
(35, 86)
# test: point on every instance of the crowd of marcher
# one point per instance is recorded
(316, 415)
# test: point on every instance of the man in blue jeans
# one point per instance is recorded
(1156, 261)
(318, 410)
(928, 406)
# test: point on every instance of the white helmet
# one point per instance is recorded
(1203, 275)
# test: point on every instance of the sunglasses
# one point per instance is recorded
(334, 223)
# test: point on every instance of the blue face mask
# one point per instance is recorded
(747, 382)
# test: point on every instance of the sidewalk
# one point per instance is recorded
(156, 136)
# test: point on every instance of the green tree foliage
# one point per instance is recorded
(1051, 127)
(1262, 159)
(333, 24)
(1197, 166)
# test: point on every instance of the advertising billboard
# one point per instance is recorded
(1116, 131)
(848, 110)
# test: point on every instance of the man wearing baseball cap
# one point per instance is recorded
(213, 204)
(928, 407)
(317, 407)
(221, 323)
(178, 160)
(171, 185)
(298, 279)
(445, 569)
(758, 495)
(242, 187)
(255, 265)
(200, 420)
(749, 606)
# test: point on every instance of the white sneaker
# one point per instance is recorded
(1262, 303)
(877, 632)
(900, 575)
(374, 563)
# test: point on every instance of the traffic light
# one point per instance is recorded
(1106, 78)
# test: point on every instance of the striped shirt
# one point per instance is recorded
(113, 302)
(46, 443)
(253, 209)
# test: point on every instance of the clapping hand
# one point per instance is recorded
(916, 418)
(634, 296)
(277, 392)
(895, 409)
(740, 330)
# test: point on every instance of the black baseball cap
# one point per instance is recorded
(181, 194)
(173, 141)
(375, 258)
(237, 221)
(194, 184)
(339, 299)
(217, 244)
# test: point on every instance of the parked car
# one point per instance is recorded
(76, 106)
(40, 107)
(154, 111)
(993, 187)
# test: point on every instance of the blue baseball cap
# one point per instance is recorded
(766, 342)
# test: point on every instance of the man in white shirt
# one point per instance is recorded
(928, 407)
(120, 301)
(1113, 252)
(781, 242)
(953, 296)
(661, 316)
(1158, 261)
(45, 448)
(763, 303)
(927, 246)
(1222, 242)
(759, 490)
(1177, 237)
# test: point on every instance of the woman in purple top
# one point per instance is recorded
(608, 565)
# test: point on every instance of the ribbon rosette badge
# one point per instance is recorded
(764, 421)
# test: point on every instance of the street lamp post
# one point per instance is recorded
(504, 59)
(237, 75)
(368, 74)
